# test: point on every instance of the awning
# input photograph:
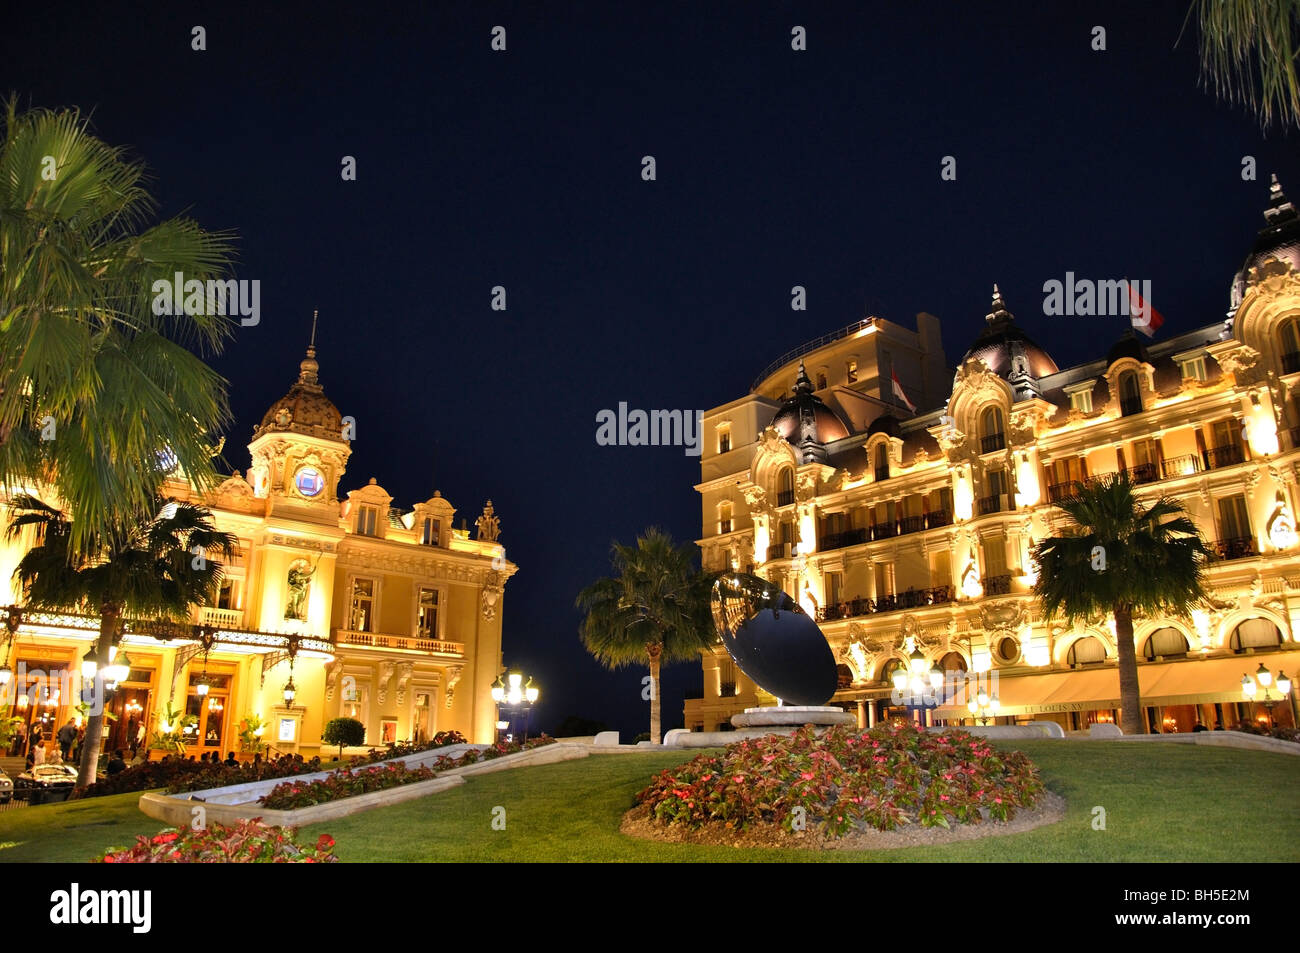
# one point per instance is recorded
(1194, 681)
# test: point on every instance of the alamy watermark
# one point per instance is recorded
(234, 297)
(653, 428)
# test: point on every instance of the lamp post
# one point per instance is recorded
(1263, 678)
(510, 691)
(983, 706)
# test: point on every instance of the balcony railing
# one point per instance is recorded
(221, 618)
(901, 527)
(785, 497)
(777, 551)
(993, 441)
(1240, 547)
(1143, 473)
(727, 689)
(399, 643)
(910, 524)
(1218, 457)
(1180, 466)
(910, 599)
(1291, 362)
(997, 585)
(989, 504)
(1062, 491)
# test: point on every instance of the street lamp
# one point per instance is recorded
(511, 691)
(289, 692)
(118, 668)
(982, 706)
(1263, 678)
(89, 664)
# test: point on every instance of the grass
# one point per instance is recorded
(1163, 803)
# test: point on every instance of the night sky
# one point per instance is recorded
(523, 169)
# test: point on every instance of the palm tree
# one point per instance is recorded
(1120, 557)
(95, 388)
(158, 568)
(1248, 54)
(655, 609)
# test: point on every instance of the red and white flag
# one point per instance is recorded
(898, 391)
(1143, 316)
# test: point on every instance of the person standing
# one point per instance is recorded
(20, 740)
(67, 737)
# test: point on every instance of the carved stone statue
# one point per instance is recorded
(489, 526)
(299, 585)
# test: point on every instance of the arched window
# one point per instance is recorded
(1130, 397)
(1254, 634)
(892, 666)
(953, 662)
(1086, 651)
(1289, 334)
(724, 517)
(1007, 650)
(882, 461)
(993, 431)
(844, 676)
(1167, 643)
(785, 486)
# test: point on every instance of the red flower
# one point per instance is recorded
(165, 838)
(324, 842)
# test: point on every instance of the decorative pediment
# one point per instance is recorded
(1006, 617)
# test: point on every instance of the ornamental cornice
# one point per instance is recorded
(440, 567)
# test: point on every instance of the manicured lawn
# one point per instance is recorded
(72, 831)
(1163, 803)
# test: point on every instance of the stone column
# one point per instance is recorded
(862, 714)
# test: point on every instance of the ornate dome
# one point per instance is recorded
(1280, 239)
(305, 409)
(1005, 348)
(805, 420)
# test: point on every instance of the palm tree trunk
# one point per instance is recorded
(109, 617)
(654, 650)
(1130, 699)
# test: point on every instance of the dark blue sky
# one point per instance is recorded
(522, 169)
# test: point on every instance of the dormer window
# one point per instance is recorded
(1081, 401)
(1130, 396)
(367, 520)
(785, 486)
(430, 531)
(882, 462)
(1193, 368)
(993, 430)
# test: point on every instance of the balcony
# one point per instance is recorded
(1242, 547)
(938, 518)
(785, 497)
(221, 618)
(910, 599)
(910, 524)
(884, 531)
(989, 504)
(1186, 465)
(397, 643)
(850, 537)
(779, 551)
(1143, 473)
(1219, 457)
(1062, 491)
(1291, 362)
(992, 442)
(997, 585)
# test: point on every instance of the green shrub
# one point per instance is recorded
(344, 731)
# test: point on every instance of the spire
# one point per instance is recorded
(802, 383)
(1279, 209)
(307, 370)
(999, 315)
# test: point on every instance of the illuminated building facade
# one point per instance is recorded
(908, 532)
(389, 615)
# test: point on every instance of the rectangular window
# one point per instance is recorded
(430, 531)
(1234, 520)
(995, 556)
(884, 580)
(724, 439)
(367, 520)
(996, 482)
(941, 569)
(1081, 401)
(427, 619)
(363, 605)
(1193, 368)
(834, 586)
(226, 599)
(851, 371)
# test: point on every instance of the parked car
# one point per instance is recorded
(45, 783)
(6, 788)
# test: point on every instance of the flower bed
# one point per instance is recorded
(442, 739)
(351, 781)
(248, 842)
(177, 776)
(1281, 732)
(845, 781)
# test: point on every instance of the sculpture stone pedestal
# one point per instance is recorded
(792, 716)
